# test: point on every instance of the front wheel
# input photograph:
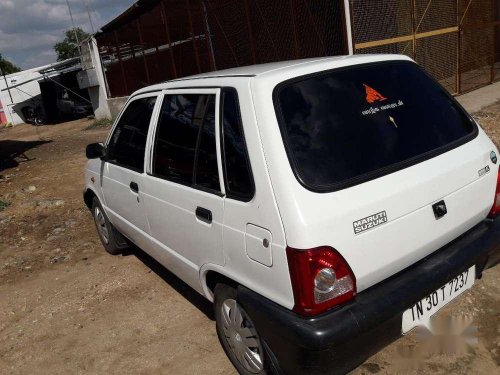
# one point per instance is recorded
(237, 334)
(111, 239)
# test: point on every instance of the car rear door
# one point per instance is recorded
(184, 189)
(122, 174)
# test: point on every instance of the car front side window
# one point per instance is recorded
(127, 144)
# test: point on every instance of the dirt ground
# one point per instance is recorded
(68, 307)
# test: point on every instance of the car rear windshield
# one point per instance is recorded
(346, 126)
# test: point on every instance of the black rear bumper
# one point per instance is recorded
(340, 340)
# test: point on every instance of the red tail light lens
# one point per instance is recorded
(495, 210)
(321, 279)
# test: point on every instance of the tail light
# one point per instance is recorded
(495, 210)
(321, 279)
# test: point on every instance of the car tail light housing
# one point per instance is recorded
(321, 279)
(495, 210)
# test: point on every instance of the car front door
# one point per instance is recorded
(184, 192)
(123, 170)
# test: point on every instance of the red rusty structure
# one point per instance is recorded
(3, 117)
(158, 40)
(457, 41)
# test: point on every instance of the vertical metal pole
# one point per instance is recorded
(495, 52)
(195, 47)
(6, 85)
(348, 26)
(413, 29)
(165, 21)
(208, 36)
(158, 60)
(9, 110)
(250, 32)
(311, 17)
(295, 36)
(124, 77)
(138, 23)
(344, 28)
(493, 6)
(90, 18)
(133, 51)
(459, 50)
(74, 28)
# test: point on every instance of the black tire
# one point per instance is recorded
(111, 239)
(40, 120)
(225, 293)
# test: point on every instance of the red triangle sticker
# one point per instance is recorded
(373, 95)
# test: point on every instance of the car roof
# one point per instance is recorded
(274, 68)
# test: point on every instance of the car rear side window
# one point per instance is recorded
(239, 180)
(128, 142)
(207, 172)
(347, 126)
(185, 148)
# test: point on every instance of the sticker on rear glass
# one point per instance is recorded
(369, 222)
(373, 97)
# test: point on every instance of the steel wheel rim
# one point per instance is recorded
(241, 336)
(100, 222)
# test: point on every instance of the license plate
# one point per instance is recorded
(420, 313)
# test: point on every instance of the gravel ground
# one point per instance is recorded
(68, 307)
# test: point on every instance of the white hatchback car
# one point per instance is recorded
(325, 206)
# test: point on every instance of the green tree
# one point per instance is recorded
(7, 67)
(68, 48)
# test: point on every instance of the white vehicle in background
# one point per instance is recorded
(325, 206)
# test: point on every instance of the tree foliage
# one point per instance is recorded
(68, 48)
(7, 67)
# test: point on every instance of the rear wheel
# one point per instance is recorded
(237, 334)
(111, 239)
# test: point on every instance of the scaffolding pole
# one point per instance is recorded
(348, 24)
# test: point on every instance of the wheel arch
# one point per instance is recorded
(88, 197)
(211, 275)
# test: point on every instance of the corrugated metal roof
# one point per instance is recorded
(132, 12)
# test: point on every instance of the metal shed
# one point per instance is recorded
(457, 41)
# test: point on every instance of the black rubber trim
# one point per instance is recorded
(377, 173)
(115, 124)
(232, 195)
(214, 76)
(341, 339)
(193, 184)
